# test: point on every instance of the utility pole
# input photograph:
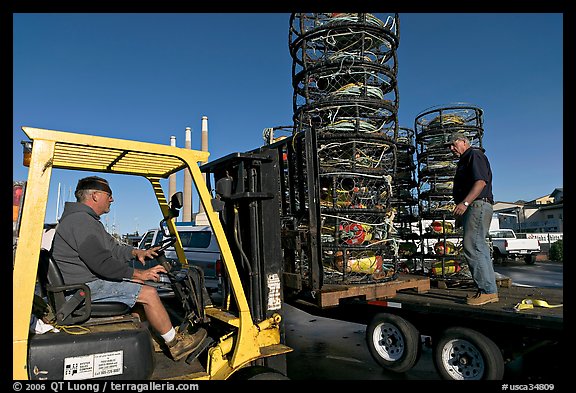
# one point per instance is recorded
(57, 202)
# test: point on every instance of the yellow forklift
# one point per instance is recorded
(101, 341)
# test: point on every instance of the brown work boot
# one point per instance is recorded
(158, 342)
(157, 345)
(483, 298)
(185, 343)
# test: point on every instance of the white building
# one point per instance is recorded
(543, 214)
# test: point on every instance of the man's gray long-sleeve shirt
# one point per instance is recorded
(84, 251)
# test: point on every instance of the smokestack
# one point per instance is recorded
(172, 178)
(204, 148)
(187, 208)
(205, 133)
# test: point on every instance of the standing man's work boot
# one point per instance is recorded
(483, 298)
(473, 295)
(184, 343)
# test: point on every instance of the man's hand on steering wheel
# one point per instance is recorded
(153, 252)
(165, 244)
(149, 253)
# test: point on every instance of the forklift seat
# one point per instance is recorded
(75, 309)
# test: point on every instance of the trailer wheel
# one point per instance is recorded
(465, 354)
(530, 259)
(393, 342)
(258, 373)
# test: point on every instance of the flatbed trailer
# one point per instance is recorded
(468, 342)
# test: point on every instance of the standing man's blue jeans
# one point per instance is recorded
(476, 224)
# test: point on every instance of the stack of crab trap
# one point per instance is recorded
(405, 201)
(441, 236)
(339, 167)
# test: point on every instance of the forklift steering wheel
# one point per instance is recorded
(164, 244)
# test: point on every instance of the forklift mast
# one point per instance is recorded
(246, 187)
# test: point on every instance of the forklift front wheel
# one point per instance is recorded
(393, 342)
(258, 373)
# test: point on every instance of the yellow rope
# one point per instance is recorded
(83, 329)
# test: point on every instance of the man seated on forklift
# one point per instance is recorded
(87, 254)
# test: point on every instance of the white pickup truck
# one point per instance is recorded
(506, 245)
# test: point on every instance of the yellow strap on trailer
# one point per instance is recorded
(527, 304)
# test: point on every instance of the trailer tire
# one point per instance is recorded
(394, 343)
(530, 259)
(465, 354)
(258, 373)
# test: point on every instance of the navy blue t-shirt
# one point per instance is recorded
(473, 165)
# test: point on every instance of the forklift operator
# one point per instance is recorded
(87, 254)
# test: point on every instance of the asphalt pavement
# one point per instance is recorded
(328, 349)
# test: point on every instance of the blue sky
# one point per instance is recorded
(149, 76)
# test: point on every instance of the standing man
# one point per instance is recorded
(87, 254)
(472, 194)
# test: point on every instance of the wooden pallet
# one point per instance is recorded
(505, 282)
(331, 294)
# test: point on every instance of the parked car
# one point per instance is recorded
(200, 248)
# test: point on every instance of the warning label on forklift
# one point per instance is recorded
(274, 299)
(93, 366)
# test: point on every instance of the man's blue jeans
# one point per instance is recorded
(476, 224)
